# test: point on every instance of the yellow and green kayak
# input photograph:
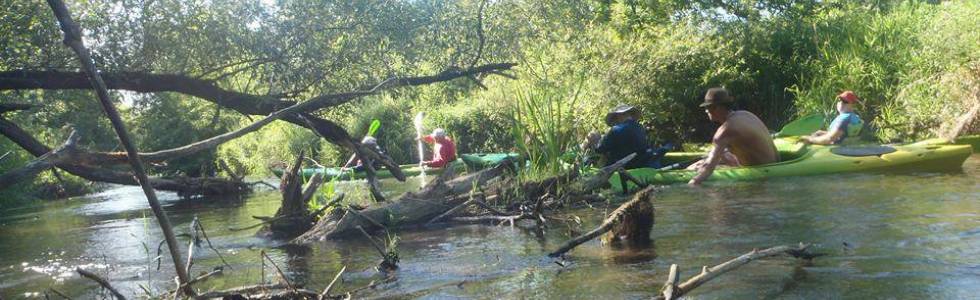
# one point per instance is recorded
(804, 160)
(473, 161)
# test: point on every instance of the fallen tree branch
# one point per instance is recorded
(671, 285)
(105, 284)
(208, 240)
(452, 210)
(606, 225)
(42, 163)
(184, 186)
(708, 274)
(244, 103)
(326, 291)
(190, 246)
(489, 208)
(244, 290)
(499, 219)
(281, 274)
(59, 293)
(9, 107)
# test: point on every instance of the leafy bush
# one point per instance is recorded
(914, 66)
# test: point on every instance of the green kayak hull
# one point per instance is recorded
(806, 160)
(474, 161)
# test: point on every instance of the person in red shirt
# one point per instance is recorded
(443, 149)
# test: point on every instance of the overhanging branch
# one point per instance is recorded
(241, 102)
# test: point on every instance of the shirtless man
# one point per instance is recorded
(742, 139)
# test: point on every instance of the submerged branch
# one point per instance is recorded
(101, 282)
(707, 274)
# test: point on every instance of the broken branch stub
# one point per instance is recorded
(615, 217)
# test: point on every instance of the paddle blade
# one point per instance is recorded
(418, 122)
(802, 126)
(374, 127)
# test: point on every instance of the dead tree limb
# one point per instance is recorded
(208, 240)
(244, 103)
(613, 218)
(101, 282)
(708, 274)
(288, 112)
(42, 163)
(410, 209)
(59, 293)
(489, 208)
(9, 107)
(281, 274)
(238, 291)
(671, 285)
(184, 186)
(452, 210)
(326, 291)
(73, 39)
(190, 246)
(266, 220)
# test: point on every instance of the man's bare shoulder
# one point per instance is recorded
(741, 116)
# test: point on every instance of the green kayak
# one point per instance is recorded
(473, 161)
(803, 160)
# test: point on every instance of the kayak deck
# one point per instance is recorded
(803, 160)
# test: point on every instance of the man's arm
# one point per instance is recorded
(826, 138)
(720, 143)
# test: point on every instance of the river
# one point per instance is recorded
(884, 236)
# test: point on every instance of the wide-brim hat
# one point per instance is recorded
(620, 109)
(716, 96)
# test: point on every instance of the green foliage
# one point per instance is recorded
(542, 124)
(155, 128)
(914, 66)
(275, 145)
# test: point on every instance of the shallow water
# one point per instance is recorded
(885, 236)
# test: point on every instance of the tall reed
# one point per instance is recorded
(543, 124)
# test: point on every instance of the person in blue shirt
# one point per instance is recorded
(846, 124)
(625, 136)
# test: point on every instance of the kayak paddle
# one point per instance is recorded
(418, 133)
(805, 125)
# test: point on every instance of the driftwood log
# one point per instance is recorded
(411, 208)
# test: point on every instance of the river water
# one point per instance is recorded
(884, 236)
